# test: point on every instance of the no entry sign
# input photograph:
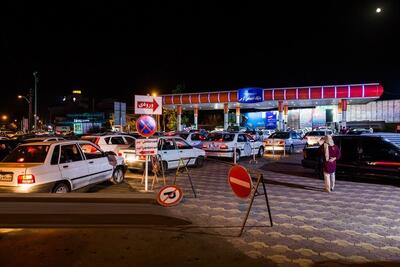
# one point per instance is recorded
(146, 125)
(169, 195)
(240, 181)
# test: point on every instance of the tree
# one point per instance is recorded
(169, 119)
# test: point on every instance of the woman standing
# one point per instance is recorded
(331, 154)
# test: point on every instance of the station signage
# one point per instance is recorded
(146, 147)
(149, 105)
(250, 95)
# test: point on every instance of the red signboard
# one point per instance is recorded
(240, 181)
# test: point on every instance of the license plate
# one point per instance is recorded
(6, 177)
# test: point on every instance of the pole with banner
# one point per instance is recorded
(146, 125)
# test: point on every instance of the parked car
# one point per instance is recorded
(42, 139)
(170, 150)
(314, 137)
(365, 155)
(255, 134)
(58, 167)
(289, 142)
(195, 139)
(111, 142)
(226, 144)
(357, 131)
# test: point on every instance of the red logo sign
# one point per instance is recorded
(240, 181)
(148, 105)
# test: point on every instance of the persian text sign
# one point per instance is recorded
(146, 147)
(150, 105)
(250, 95)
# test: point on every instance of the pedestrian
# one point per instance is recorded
(319, 170)
(331, 155)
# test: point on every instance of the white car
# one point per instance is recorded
(112, 142)
(226, 144)
(313, 138)
(58, 167)
(42, 139)
(284, 141)
(194, 139)
(170, 150)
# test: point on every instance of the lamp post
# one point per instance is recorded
(29, 101)
(35, 115)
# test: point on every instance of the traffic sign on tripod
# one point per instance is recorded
(169, 195)
(241, 184)
(240, 181)
(146, 126)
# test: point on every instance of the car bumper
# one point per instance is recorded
(42, 188)
(219, 154)
(274, 148)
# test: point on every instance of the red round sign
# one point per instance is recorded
(169, 195)
(146, 125)
(240, 181)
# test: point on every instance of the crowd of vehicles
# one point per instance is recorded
(53, 163)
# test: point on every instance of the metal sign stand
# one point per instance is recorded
(182, 165)
(256, 194)
(253, 160)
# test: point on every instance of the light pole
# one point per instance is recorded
(35, 115)
(29, 101)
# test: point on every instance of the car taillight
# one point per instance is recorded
(269, 142)
(26, 179)
(223, 147)
(97, 140)
(281, 142)
(142, 157)
(119, 154)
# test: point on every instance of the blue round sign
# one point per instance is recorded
(146, 125)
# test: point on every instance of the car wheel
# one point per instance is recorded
(118, 175)
(61, 188)
(199, 162)
(260, 152)
(291, 149)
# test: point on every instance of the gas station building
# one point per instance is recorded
(296, 107)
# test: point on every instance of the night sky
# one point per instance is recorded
(117, 49)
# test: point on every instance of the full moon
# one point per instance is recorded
(378, 10)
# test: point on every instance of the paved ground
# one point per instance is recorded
(359, 223)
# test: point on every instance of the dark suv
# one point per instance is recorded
(365, 155)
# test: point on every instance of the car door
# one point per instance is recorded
(98, 165)
(184, 150)
(379, 158)
(244, 145)
(73, 167)
(349, 159)
(169, 153)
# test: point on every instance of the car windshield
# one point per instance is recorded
(282, 135)
(198, 137)
(220, 137)
(89, 138)
(28, 154)
(316, 133)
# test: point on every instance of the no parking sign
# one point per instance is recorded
(169, 195)
(146, 125)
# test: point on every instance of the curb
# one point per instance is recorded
(135, 198)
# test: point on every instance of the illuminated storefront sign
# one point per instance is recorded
(250, 95)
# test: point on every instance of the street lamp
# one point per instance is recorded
(29, 101)
(4, 117)
(36, 81)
